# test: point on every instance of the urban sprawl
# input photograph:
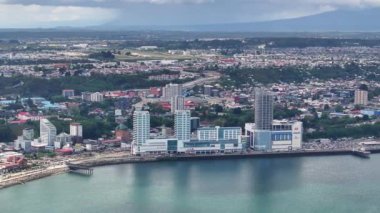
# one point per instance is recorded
(78, 100)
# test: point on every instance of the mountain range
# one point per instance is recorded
(362, 20)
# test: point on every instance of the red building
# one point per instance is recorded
(122, 133)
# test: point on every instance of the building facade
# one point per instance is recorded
(62, 140)
(177, 103)
(209, 140)
(97, 97)
(48, 132)
(182, 125)
(68, 93)
(141, 129)
(263, 109)
(284, 136)
(24, 141)
(76, 130)
(172, 90)
(207, 90)
(86, 96)
(361, 97)
(195, 123)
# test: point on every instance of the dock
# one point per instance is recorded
(80, 169)
(361, 153)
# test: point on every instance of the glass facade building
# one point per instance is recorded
(263, 109)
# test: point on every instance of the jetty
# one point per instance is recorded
(80, 169)
(362, 153)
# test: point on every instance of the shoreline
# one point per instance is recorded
(31, 176)
(125, 159)
(133, 160)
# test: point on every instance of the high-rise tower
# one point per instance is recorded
(263, 119)
(177, 103)
(172, 90)
(141, 127)
(182, 125)
(48, 132)
(263, 109)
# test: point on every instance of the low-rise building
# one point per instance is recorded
(283, 136)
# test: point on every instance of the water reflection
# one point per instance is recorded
(182, 180)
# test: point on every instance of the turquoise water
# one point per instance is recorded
(308, 184)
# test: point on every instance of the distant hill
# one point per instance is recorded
(365, 20)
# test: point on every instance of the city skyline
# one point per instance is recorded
(189, 118)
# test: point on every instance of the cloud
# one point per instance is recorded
(167, 12)
(274, 3)
(103, 3)
(29, 16)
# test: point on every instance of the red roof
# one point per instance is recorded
(24, 113)
(18, 122)
(65, 150)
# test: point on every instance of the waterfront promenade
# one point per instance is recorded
(8, 180)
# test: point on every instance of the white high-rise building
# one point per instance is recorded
(76, 130)
(182, 125)
(361, 97)
(177, 103)
(172, 90)
(48, 132)
(141, 127)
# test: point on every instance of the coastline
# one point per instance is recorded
(122, 160)
(31, 175)
(108, 160)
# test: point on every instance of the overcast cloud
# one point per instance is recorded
(49, 13)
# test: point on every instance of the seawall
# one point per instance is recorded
(30, 176)
(144, 159)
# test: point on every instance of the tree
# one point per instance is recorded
(339, 108)
(237, 111)
(217, 108)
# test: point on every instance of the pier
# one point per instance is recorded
(80, 169)
(361, 153)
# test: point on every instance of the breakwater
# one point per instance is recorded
(30, 176)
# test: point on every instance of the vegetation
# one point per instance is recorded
(236, 76)
(97, 82)
(340, 127)
(103, 55)
(238, 44)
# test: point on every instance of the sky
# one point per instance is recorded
(76, 13)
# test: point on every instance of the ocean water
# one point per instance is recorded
(300, 184)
